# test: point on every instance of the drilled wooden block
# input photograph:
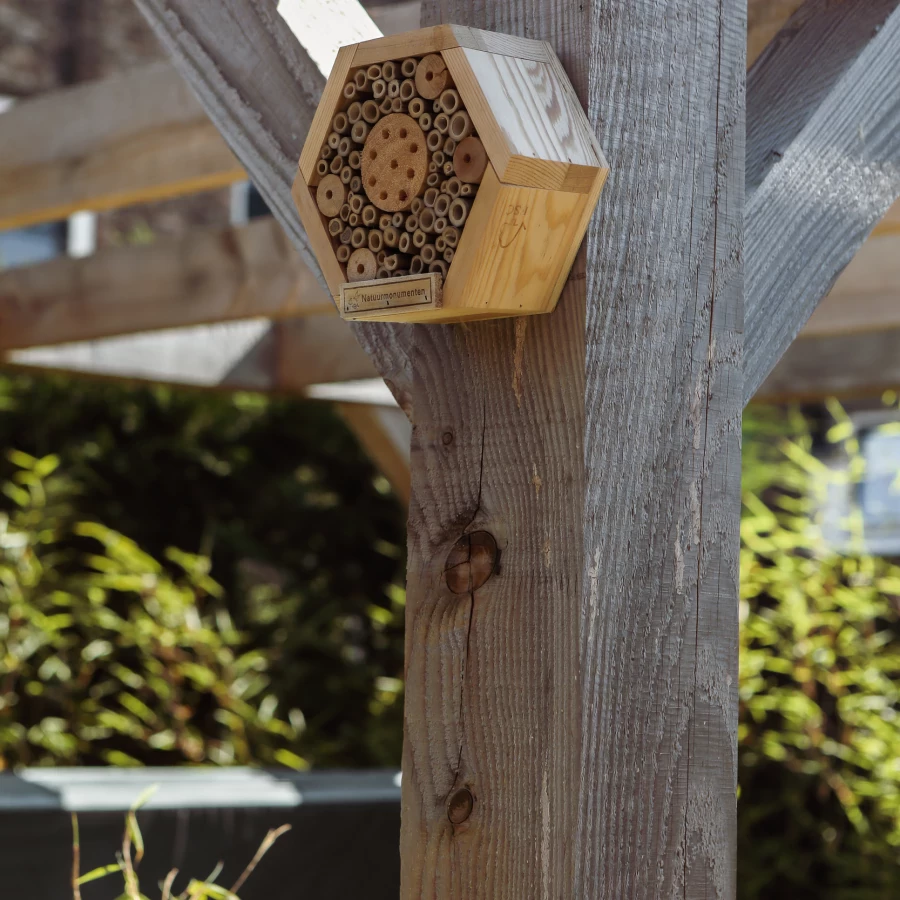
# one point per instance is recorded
(455, 154)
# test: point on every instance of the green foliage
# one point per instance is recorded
(109, 658)
(819, 734)
(299, 530)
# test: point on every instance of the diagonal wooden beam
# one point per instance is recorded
(823, 163)
(210, 276)
(261, 87)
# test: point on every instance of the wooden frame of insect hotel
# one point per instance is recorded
(449, 174)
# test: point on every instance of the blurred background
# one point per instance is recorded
(202, 526)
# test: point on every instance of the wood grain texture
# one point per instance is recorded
(825, 161)
(211, 276)
(260, 88)
(137, 137)
(586, 694)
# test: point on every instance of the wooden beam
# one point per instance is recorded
(384, 433)
(136, 137)
(249, 355)
(261, 87)
(823, 162)
(210, 276)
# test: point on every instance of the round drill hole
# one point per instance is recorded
(413, 148)
(403, 196)
(410, 173)
(328, 195)
(385, 133)
(394, 164)
(402, 133)
(360, 268)
(372, 181)
(429, 76)
(383, 195)
(467, 158)
(373, 154)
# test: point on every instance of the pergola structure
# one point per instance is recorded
(572, 591)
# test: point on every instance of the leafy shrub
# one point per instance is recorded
(819, 739)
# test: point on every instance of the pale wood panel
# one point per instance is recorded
(397, 46)
(585, 695)
(136, 137)
(211, 276)
(260, 88)
(825, 97)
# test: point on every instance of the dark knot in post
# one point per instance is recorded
(460, 806)
(471, 562)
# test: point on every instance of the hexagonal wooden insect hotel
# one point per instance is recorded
(449, 174)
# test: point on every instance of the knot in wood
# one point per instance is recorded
(470, 562)
(460, 806)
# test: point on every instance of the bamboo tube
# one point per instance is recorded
(449, 253)
(397, 105)
(370, 112)
(440, 224)
(434, 139)
(405, 242)
(360, 131)
(350, 91)
(450, 147)
(451, 236)
(326, 152)
(438, 157)
(346, 174)
(379, 89)
(391, 236)
(442, 204)
(416, 206)
(362, 265)
(389, 70)
(407, 90)
(440, 244)
(408, 67)
(460, 125)
(448, 169)
(342, 253)
(383, 272)
(353, 220)
(467, 190)
(416, 264)
(322, 167)
(361, 80)
(331, 194)
(345, 211)
(411, 223)
(346, 234)
(454, 186)
(431, 76)
(394, 88)
(458, 212)
(356, 184)
(436, 107)
(432, 166)
(428, 253)
(438, 266)
(396, 261)
(419, 238)
(430, 195)
(369, 215)
(398, 219)
(442, 123)
(416, 107)
(384, 221)
(333, 140)
(426, 219)
(345, 145)
(433, 179)
(387, 106)
(449, 101)
(373, 72)
(359, 237)
(357, 202)
(340, 123)
(470, 160)
(354, 112)
(380, 257)
(375, 240)
(425, 122)
(354, 159)
(335, 227)
(336, 164)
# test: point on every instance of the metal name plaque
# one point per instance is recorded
(383, 296)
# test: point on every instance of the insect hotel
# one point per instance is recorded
(448, 175)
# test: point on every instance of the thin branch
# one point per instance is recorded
(270, 839)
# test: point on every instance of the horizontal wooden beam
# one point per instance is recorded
(137, 137)
(823, 163)
(210, 276)
(251, 355)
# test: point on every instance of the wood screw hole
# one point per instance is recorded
(460, 806)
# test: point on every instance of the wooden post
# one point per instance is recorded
(572, 694)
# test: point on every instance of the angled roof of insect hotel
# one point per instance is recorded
(449, 174)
